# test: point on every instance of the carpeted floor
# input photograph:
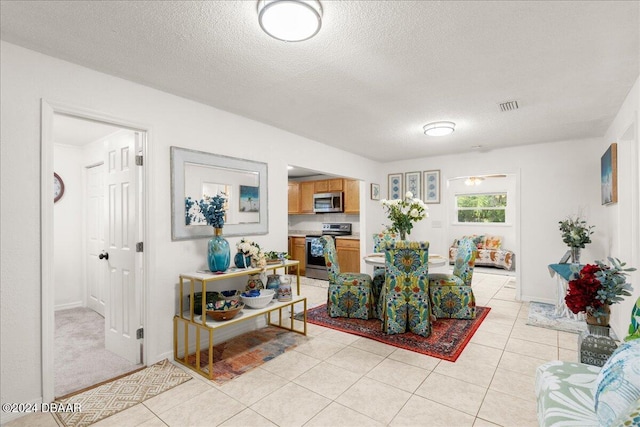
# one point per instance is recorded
(93, 405)
(447, 340)
(81, 359)
(241, 354)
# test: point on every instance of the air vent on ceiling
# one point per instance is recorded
(508, 106)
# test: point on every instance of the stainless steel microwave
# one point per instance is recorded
(327, 202)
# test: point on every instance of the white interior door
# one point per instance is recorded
(123, 313)
(96, 268)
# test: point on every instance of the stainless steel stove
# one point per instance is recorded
(315, 266)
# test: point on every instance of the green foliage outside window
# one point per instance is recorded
(482, 207)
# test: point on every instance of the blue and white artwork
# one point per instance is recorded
(249, 198)
(609, 175)
(412, 182)
(431, 186)
(395, 186)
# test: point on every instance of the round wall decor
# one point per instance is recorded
(58, 187)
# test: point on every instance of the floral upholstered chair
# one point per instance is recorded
(350, 294)
(379, 242)
(406, 304)
(451, 294)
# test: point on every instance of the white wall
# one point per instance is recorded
(622, 220)
(26, 78)
(67, 220)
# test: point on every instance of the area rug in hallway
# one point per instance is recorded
(247, 351)
(543, 315)
(447, 340)
(112, 397)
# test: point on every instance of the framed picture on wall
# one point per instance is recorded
(609, 175)
(431, 186)
(395, 186)
(375, 191)
(249, 199)
(413, 183)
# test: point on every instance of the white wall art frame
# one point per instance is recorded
(394, 186)
(413, 183)
(431, 186)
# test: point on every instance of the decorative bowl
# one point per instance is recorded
(260, 300)
(212, 297)
(224, 309)
(231, 294)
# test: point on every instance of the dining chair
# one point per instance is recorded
(350, 294)
(451, 294)
(379, 242)
(406, 304)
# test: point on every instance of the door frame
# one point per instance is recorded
(48, 109)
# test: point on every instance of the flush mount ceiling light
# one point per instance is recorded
(290, 20)
(439, 128)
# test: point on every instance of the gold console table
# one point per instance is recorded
(202, 324)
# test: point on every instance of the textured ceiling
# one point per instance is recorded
(377, 71)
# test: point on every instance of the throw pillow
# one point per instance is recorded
(630, 418)
(618, 383)
(493, 242)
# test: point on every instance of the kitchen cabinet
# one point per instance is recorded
(328, 185)
(351, 196)
(297, 252)
(307, 188)
(294, 197)
(348, 255)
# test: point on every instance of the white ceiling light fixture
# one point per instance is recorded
(290, 20)
(439, 128)
(474, 180)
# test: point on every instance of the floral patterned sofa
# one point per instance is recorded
(490, 252)
(577, 394)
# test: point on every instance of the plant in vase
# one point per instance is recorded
(596, 287)
(404, 212)
(576, 234)
(250, 250)
(213, 211)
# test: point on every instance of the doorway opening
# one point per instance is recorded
(92, 260)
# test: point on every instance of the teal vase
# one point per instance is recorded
(219, 254)
(241, 260)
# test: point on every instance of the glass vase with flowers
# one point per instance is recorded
(404, 212)
(596, 287)
(218, 251)
(576, 234)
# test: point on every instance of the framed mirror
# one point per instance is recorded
(195, 174)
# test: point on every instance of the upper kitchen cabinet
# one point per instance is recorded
(328, 185)
(351, 196)
(294, 197)
(307, 189)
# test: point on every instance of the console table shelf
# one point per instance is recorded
(188, 318)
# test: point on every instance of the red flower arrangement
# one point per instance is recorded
(597, 286)
(583, 291)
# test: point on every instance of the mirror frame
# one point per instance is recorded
(179, 230)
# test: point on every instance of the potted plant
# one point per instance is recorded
(596, 287)
(248, 249)
(576, 234)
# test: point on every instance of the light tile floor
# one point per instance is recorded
(337, 379)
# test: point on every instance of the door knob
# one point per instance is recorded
(104, 255)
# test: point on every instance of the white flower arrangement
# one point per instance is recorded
(252, 249)
(403, 212)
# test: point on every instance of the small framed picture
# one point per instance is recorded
(431, 186)
(375, 191)
(395, 186)
(413, 183)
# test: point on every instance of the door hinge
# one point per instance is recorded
(139, 247)
(138, 160)
(140, 333)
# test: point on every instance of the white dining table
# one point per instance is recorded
(377, 260)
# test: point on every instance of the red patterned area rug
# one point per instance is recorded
(447, 340)
(245, 352)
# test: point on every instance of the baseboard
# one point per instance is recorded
(69, 305)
